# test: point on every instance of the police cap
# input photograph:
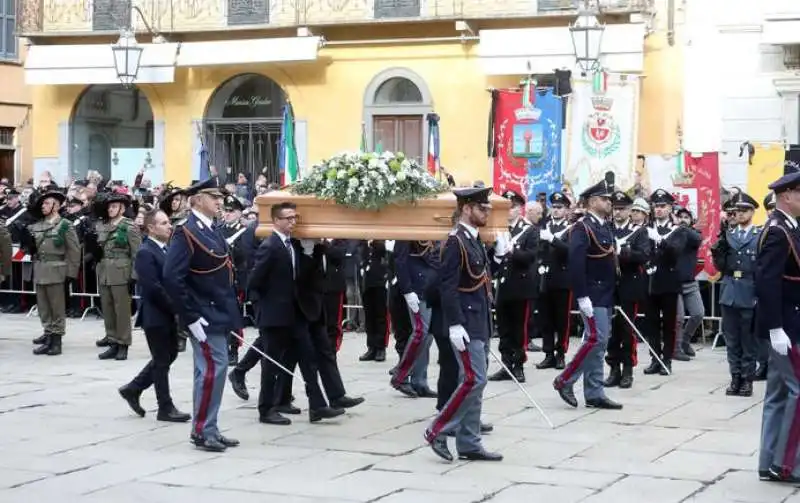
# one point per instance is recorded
(621, 199)
(742, 201)
(515, 198)
(560, 199)
(232, 203)
(661, 196)
(769, 201)
(790, 178)
(604, 188)
(473, 195)
(207, 186)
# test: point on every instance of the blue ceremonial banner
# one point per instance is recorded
(544, 171)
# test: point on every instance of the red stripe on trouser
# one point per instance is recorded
(793, 442)
(634, 340)
(388, 333)
(208, 386)
(580, 356)
(339, 328)
(525, 320)
(675, 326)
(459, 395)
(411, 352)
(568, 324)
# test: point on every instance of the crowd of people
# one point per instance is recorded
(626, 264)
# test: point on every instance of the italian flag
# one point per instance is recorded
(287, 153)
(433, 144)
(600, 82)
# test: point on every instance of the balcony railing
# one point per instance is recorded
(43, 17)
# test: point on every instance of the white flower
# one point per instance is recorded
(353, 182)
(341, 174)
(401, 176)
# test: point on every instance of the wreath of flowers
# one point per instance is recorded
(369, 181)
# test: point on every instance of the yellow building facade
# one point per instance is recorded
(16, 139)
(356, 83)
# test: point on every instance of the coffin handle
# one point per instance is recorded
(446, 219)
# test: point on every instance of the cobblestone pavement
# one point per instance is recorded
(67, 436)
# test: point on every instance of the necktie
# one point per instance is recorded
(289, 247)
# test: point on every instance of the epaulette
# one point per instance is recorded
(180, 222)
(453, 232)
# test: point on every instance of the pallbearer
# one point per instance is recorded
(778, 292)
(465, 288)
(374, 278)
(592, 276)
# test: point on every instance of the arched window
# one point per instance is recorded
(396, 103)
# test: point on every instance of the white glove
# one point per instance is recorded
(413, 302)
(654, 235)
(390, 245)
(197, 330)
(503, 245)
(459, 337)
(546, 235)
(585, 305)
(780, 341)
(308, 246)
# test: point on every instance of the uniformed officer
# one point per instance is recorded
(761, 339)
(592, 278)
(665, 282)
(464, 288)
(735, 258)
(517, 287)
(633, 249)
(778, 297)
(374, 272)
(555, 302)
(6, 252)
(198, 275)
(53, 243)
(114, 242)
(334, 289)
(241, 245)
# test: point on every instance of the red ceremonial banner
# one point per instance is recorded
(702, 173)
(510, 173)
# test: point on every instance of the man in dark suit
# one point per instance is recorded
(282, 316)
(374, 271)
(334, 286)
(157, 317)
(198, 276)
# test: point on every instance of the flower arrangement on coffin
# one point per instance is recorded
(369, 181)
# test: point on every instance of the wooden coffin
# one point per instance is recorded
(428, 219)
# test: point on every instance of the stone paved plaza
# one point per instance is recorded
(66, 435)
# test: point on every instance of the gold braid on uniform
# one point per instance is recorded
(482, 278)
(792, 249)
(191, 240)
(426, 247)
(604, 252)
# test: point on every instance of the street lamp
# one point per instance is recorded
(127, 56)
(587, 39)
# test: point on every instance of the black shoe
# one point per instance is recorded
(315, 415)
(614, 377)
(518, 373)
(122, 353)
(486, 428)
(103, 343)
(393, 370)
(406, 389)
(380, 355)
(273, 417)
(209, 444)
(110, 353)
(603, 403)
(238, 384)
(288, 409)
(346, 402)
(439, 446)
(500, 375)
(549, 362)
(54, 349)
(172, 415)
(566, 393)
(761, 373)
(480, 456)
(765, 476)
(681, 356)
(369, 356)
(734, 386)
(665, 371)
(533, 347)
(560, 362)
(688, 350)
(426, 392)
(228, 442)
(778, 475)
(653, 368)
(233, 355)
(42, 339)
(44, 348)
(626, 382)
(131, 396)
(746, 389)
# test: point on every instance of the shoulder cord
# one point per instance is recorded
(482, 278)
(792, 249)
(425, 248)
(191, 240)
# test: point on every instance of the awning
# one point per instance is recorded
(781, 32)
(236, 52)
(94, 64)
(541, 50)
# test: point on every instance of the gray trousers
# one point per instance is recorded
(462, 412)
(588, 361)
(210, 368)
(780, 424)
(414, 363)
(740, 340)
(115, 302)
(690, 303)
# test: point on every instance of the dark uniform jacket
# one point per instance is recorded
(375, 264)
(592, 263)
(198, 275)
(465, 284)
(240, 240)
(778, 276)
(666, 278)
(416, 263)
(555, 257)
(335, 277)
(687, 260)
(517, 276)
(634, 253)
(735, 259)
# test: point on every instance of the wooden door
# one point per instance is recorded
(398, 133)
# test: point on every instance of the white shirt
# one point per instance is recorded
(597, 218)
(791, 220)
(472, 230)
(288, 246)
(208, 221)
(161, 245)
